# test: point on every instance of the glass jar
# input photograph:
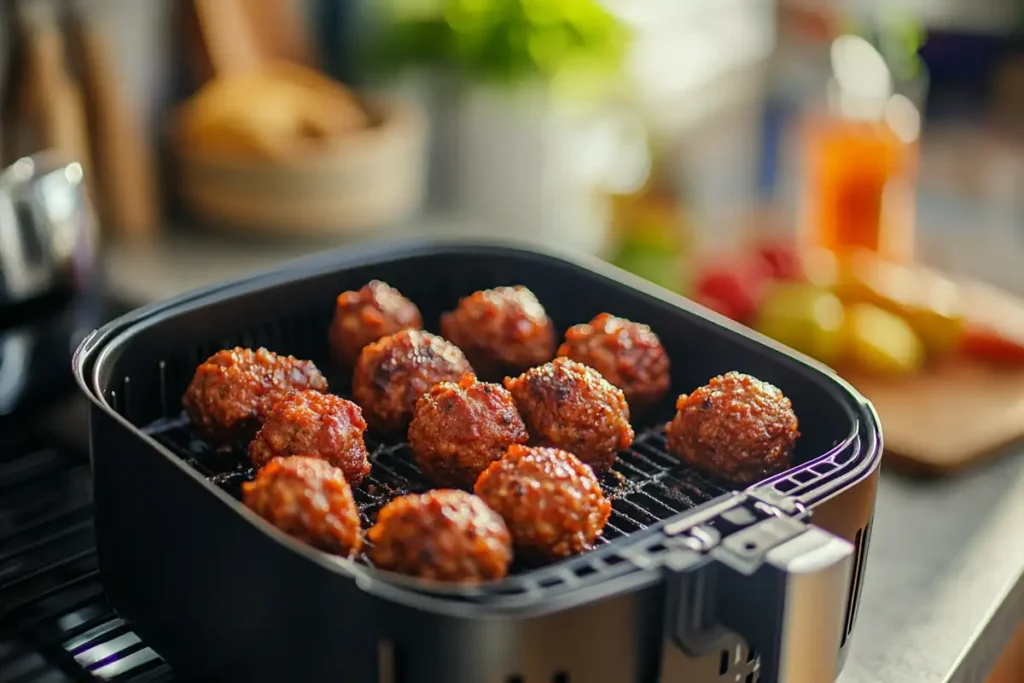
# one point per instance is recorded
(859, 156)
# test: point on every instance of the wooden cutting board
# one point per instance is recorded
(949, 418)
(957, 414)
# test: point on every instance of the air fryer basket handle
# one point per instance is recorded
(792, 608)
(777, 581)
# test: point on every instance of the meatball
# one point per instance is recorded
(549, 499)
(735, 427)
(460, 429)
(318, 425)
(567, 405)
(393, 372)
(444, 535)
(233, 391)
(365, 316)
(501, 330)
(307, 498)
(627, 354)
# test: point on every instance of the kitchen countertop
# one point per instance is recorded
(944, 589)
(944, 586)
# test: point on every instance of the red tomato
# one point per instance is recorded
(733, 291)
(718, 306)
(780, 261)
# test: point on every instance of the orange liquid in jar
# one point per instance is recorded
(859, 182)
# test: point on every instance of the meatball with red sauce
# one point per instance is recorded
(501, 330)
(736, 427)
(627, 354)
(309, 499)
(549, 499)
(233, 391)
(460, 429)
(366, 315)
(568, 405)
(318, 425)
(392, 373)
(442, 535)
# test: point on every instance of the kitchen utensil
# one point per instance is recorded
(49, 98)
(279, 29)
(124, 159)
(226, 34)
(687, 566)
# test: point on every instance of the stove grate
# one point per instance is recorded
(55, 623)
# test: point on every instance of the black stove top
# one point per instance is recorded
(55, 623)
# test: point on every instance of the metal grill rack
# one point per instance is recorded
(645, 486)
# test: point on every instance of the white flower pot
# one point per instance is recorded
(518, 161)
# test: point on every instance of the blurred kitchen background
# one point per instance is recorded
(537, 119)
(707, 145)
(845, 176)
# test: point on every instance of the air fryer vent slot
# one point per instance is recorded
(860, 544)
(387, 663)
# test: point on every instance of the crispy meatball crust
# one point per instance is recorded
(549, 499)
(307, 498)
(501, 330)
(568, 405)
(443, 535)
(735, 427)
(233, 391)
(318, 425)
(364, 316)
(627, 354)
(392, 373)
(460, 429)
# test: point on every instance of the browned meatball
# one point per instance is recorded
(501, 330)
(567, 405)
(550, 501)
(307, 498)
(318, 425)
(233, 391)
(460, 429)
(735, 427)
(443, 535)
(393, 372)
(627, 354)
(365, 316)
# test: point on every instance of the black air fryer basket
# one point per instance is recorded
(692, 583)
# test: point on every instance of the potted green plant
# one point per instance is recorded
(516, 90)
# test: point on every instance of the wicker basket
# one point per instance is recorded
(365, 180)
